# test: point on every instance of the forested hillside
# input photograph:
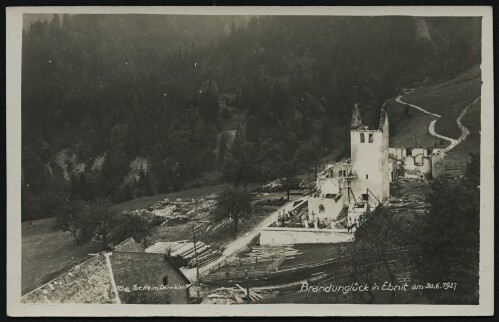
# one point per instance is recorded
(129, 105)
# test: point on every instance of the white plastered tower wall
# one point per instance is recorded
(370, 158)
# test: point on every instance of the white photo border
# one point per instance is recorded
(14, 17)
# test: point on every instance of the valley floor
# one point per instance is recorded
(47, 253)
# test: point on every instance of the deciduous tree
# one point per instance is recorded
(234, 204)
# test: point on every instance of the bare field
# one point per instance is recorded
(46, 253)
(410, 129)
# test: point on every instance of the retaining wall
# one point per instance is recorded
(290, 236)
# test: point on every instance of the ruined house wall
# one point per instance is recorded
(393, 168)
(340, 169)
(355, 213)
(417, 170)
(329, 186)
(416, 165)
(332, 208)
(385, 185)
(437, 164)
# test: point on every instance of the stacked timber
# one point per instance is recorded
(205, 258)
(165, 247)
(271, 253)
(231, 295)
(186, 250)
(275, 265)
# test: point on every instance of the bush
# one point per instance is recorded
(132, 225)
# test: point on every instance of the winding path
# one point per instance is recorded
(464, 130)
(453, 142)
(416, 107)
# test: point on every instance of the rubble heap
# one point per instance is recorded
(179, 211)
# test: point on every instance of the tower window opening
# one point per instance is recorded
(367, 176)
(371, 138)
(362, 139)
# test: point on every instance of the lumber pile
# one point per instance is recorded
(270, 255)
(252, 295)
(177, 212)
(164, 247)
(275, 265)
(186, 251)
(231, 295)
(413, 203)
(271, 252)
(275, 185)
(220, 224)
(205, 258)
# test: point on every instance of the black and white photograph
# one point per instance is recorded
(196, 160)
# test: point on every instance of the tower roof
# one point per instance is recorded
(356, 120)
(383, 117)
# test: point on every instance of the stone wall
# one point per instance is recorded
(290, 236)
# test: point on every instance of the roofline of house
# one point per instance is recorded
(182, 275)
(124, 241)
(66, 272)
(111, 276)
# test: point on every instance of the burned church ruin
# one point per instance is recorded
(348, 190)
(360, 183)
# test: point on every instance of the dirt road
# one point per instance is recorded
(398, 99)
(453, 142)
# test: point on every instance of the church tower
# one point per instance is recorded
(369, 155)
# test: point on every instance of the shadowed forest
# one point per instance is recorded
(124, 106)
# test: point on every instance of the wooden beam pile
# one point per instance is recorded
(231, 295)
(252, 295)
(205, 258)
(271, 253)
(165, 247)
(275, 265)
(185, 249)
(219, 225)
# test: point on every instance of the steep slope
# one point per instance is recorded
(109, 90)
(446, 115)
